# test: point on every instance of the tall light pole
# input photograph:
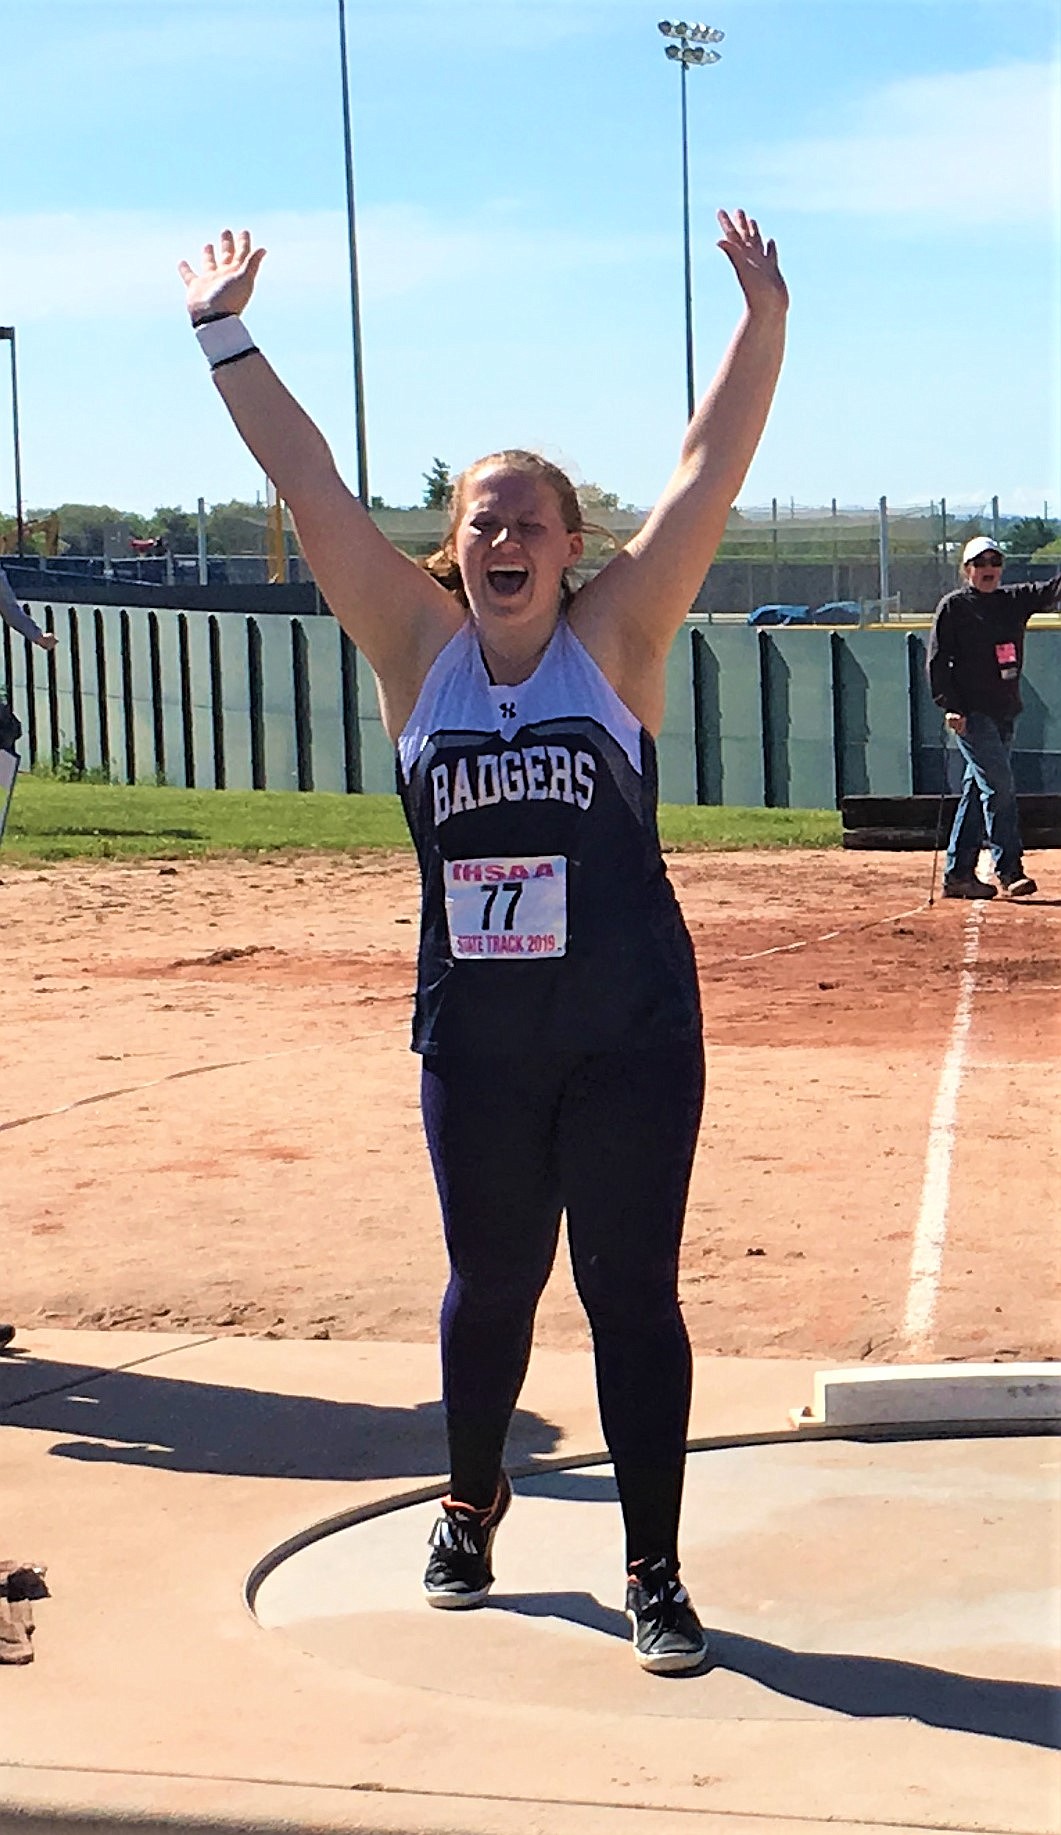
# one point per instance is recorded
(691, 48)
(8, 332)
(355, 296)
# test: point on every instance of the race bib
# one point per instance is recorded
(510, 908)
(1006, 658)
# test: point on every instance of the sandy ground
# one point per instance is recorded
(209, 1112)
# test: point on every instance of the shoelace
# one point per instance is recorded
(661, 1606)
(459, 1535)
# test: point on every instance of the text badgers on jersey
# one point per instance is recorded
(536, 773)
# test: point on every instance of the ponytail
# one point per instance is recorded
(442, 566)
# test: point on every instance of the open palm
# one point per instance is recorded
(227, 277)
(754, 262)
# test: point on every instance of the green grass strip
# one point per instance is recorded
(692, 825)
(54, 820)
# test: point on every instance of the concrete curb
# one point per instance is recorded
(149, 1473)
(1013, 1395)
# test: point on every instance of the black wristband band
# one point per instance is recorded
(251, 351)
(210, 318)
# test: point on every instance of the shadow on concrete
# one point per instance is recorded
(865, 1688)
(875, 1687)
(594, 1484)
(131, 1418)
(584, 1609)
(574, 1608)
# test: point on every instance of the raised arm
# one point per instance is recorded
(13, 614)
(391, 609)
(629, 614)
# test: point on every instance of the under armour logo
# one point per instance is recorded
(508, 710)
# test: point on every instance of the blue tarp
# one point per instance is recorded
(838, 611)
(780, 614)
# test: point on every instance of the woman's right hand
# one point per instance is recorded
(754, 262)
(227, 278)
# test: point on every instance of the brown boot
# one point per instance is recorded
(20, 1585)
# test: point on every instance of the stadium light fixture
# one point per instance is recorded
(698, 33)
(690, 52)
(7, 335)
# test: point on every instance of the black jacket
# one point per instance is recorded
(976, 650)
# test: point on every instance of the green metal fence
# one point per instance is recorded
(786, 718)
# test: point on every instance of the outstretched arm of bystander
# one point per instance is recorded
(19, 619)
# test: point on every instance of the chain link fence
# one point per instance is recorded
(874, 564)
(788, 562)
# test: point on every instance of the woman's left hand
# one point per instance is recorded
(754, 262)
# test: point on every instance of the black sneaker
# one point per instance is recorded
(966, 885)
(459, 1573)
(7, 1332)
(668, 1636)
(1020, 886)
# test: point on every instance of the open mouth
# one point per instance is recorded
(506, 581)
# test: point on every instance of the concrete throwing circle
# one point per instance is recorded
(834, 1576)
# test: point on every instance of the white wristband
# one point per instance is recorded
(222, 340)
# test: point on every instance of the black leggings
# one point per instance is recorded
(610, 1139)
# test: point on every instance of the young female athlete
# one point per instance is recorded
(557, 1009)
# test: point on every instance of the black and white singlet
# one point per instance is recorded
(548, 919)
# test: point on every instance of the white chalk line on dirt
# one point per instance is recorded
(174, 1076)
(783, 949)
(926, 1260)
(197, 1070)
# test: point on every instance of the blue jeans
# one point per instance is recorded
(987, 807)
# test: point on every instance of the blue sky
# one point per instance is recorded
(519, 216)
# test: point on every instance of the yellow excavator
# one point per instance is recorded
(276, 547)
(48, 526)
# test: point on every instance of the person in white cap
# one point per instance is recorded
(975, 656)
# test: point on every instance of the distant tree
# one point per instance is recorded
(235, 527)
(594, 501)
(437, 485)
(179, 528)
(81, 526)
(1030, 533)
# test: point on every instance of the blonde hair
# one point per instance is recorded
(443, 565)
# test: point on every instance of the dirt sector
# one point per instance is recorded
(209, 1113)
